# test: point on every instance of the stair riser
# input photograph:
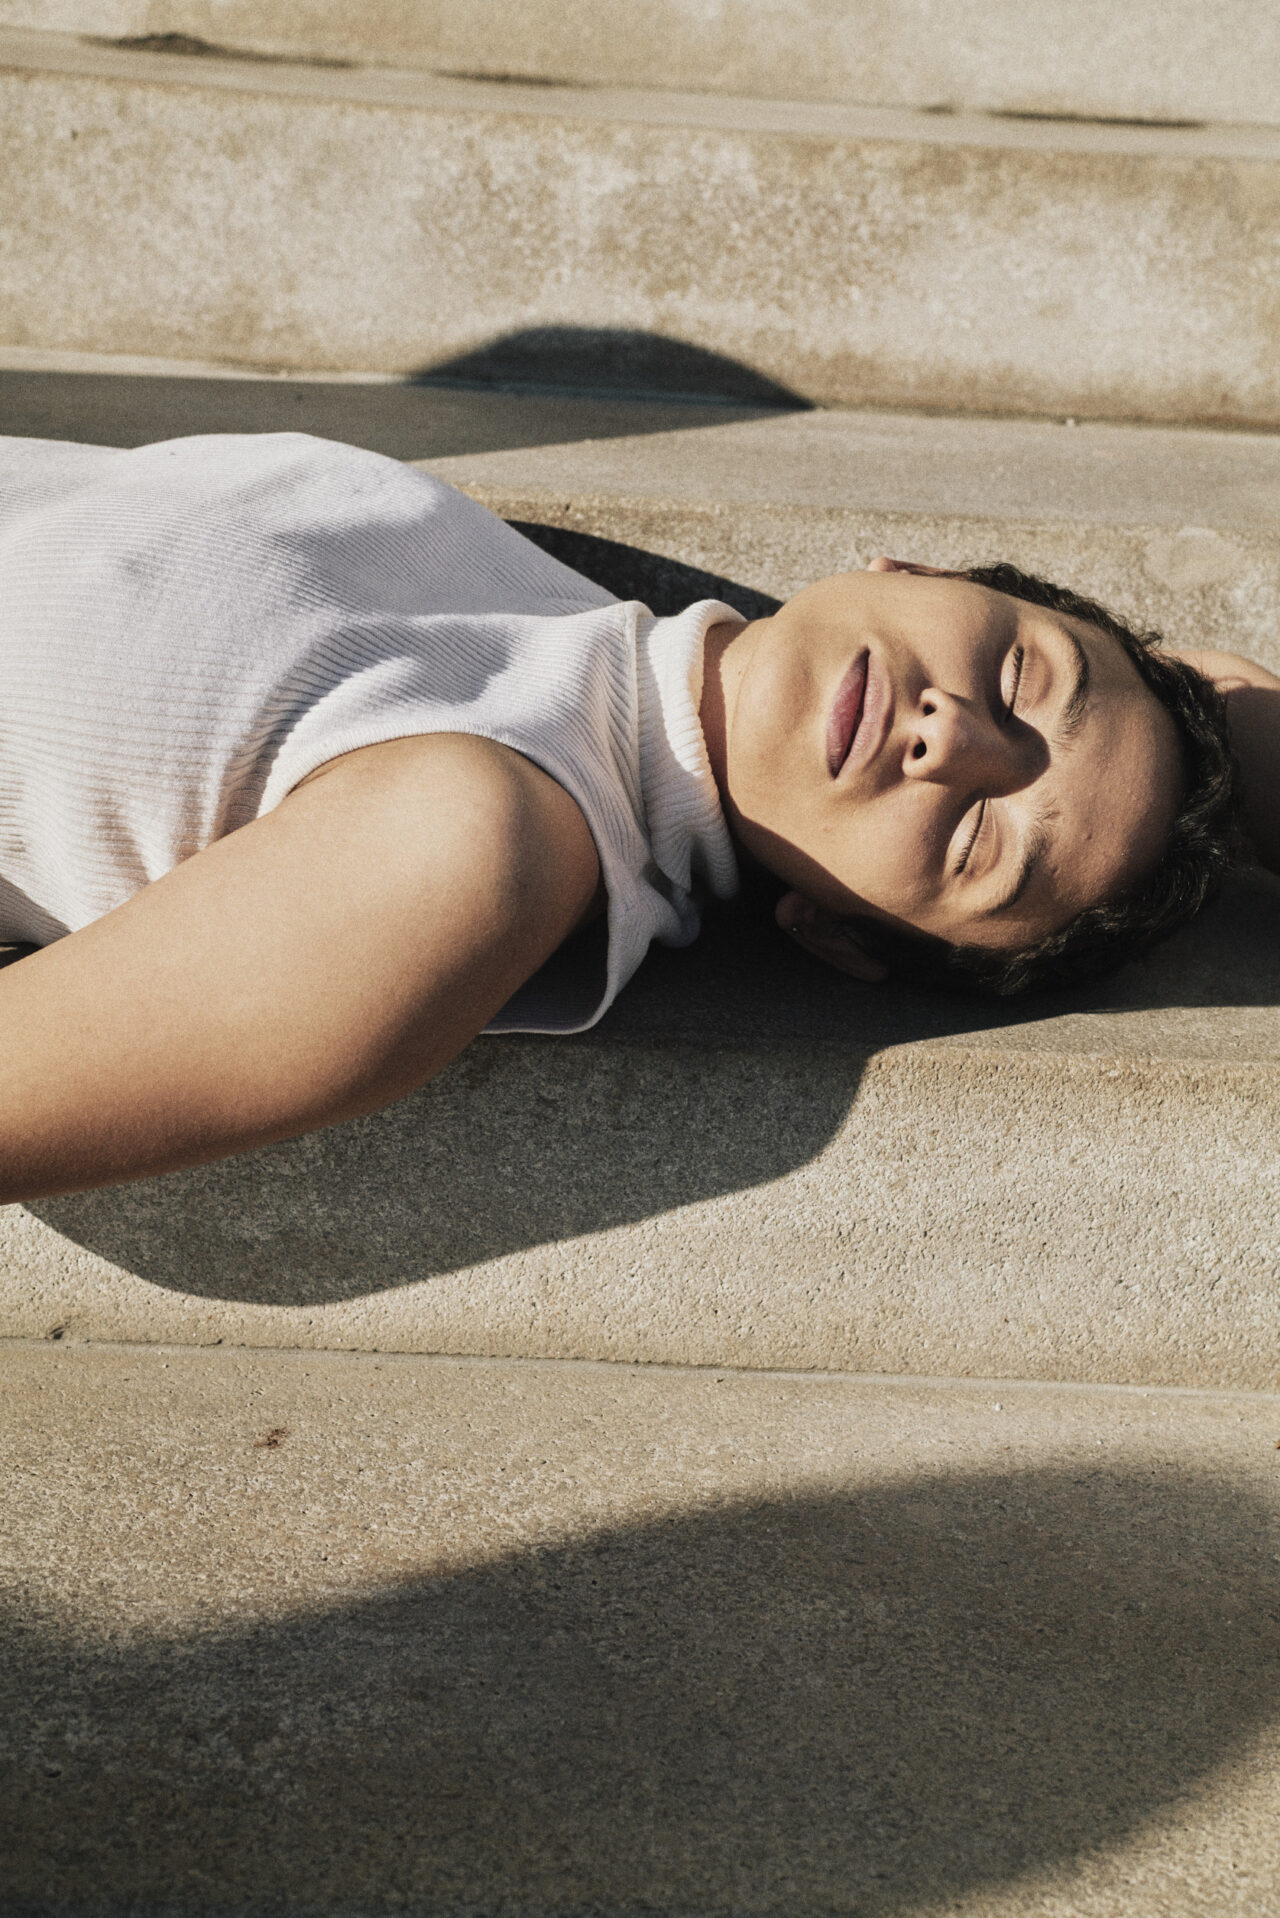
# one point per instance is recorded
(938, 1210)
(206, 222)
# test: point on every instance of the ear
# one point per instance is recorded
(883, 565)
(827, 938)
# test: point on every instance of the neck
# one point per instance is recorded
(722, 661)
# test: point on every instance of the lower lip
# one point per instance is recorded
(847, 713)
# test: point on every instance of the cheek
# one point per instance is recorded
(882, 853)
(773, 718)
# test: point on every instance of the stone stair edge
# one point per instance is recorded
(512, 501)
(881, 54)
(31, 50)
(18, 1345)
(1176, 528)
(1120, 433)
(638, 1195)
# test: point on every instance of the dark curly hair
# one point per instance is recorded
(1203, 842)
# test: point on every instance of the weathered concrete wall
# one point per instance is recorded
(1148, 59)
(260, 215)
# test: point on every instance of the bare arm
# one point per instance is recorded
(1253, 716)
(315, 965)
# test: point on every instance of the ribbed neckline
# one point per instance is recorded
(686, 825)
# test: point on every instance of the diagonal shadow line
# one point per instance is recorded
(874, 1702)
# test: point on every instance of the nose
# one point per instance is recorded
(958, 741)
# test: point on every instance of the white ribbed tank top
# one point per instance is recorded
(189, 629)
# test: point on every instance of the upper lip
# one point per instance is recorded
(859, 717)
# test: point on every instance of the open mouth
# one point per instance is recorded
(847, 712)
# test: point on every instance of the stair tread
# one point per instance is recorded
(306, 1631)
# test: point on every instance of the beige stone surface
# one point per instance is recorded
(129, 400)
(1177, 529)
(312, 218)
(1171, 61)
(751, 1163)
(324, 1634)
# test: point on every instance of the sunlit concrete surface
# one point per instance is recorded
(1149, 59)
(325, 1635)
(753, 1162)
(312, 217)
(1176, 528)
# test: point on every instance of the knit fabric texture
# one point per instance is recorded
(189, 629)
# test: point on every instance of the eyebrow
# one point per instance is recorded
(1037, 843)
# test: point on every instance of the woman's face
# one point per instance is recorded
(940, 755)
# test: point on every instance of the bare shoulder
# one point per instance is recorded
(1228, 671)
(313, 965)
(508, 831)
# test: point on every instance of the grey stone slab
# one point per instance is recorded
(323, 1635)
(1176, 61)
(1177, 529)
(752, 1163)
(284, 216)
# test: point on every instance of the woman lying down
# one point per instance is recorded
(309, 765)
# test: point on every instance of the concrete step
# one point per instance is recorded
(1175, 61)
(118, 400)
(286, 216)
(751, 1162)
(300, 1634)
(1178, 528)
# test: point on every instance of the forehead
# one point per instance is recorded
(914, 604)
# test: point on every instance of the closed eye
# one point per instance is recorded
(1019, 659)
(1019, 656)
(972, 840)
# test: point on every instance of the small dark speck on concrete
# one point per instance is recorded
(268, 1441)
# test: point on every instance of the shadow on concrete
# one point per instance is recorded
(721, 1068)
(665, 585)
(877, 1703)
(538, 388)
(622, 361)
